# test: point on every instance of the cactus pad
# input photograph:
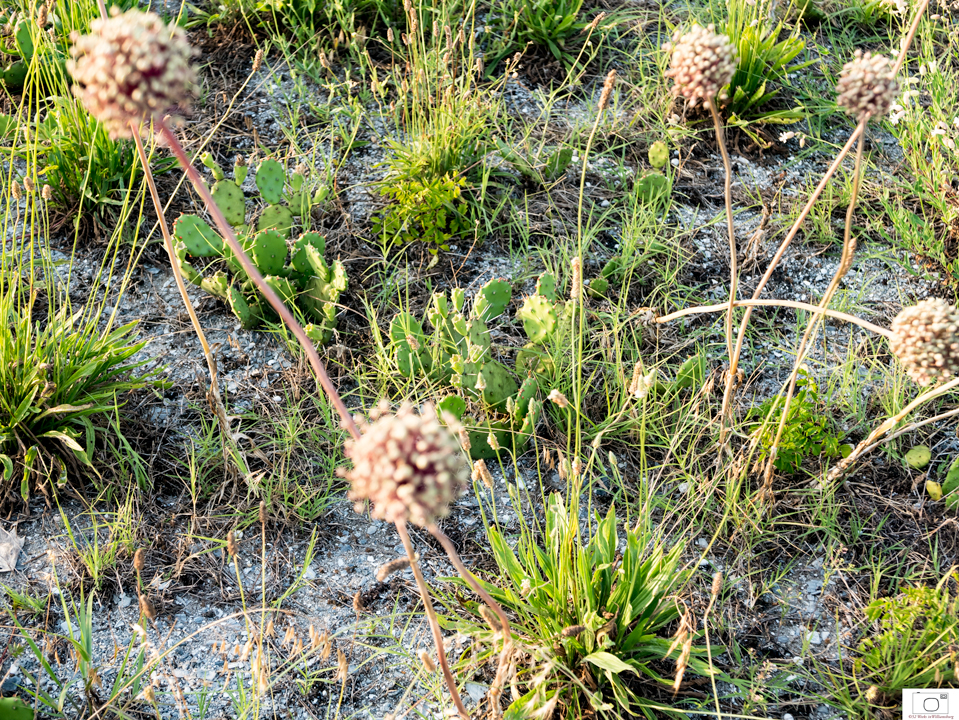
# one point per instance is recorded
(300, 261)
(539, 318)
(480, 448)
(500, 385)
(268, 251)
(276, 217)
(651, 187)
(207, 159)
(658, 154)
(189, 272)
(527, 392)
(229, 198)
(492, 299)
(546, 286)
(410, 346)
(197, 236)
(270, 179)
(241, 308)
(218, 285)
(452, 404)
(300, 204)
(282, 287)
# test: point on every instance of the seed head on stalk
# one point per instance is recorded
(925, 338)
(130, 68)
(702, 63)
(408, 465)
(867, 84)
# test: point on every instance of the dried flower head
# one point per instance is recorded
(139, 560)
(15, 191)
(131, 67)
(702, 64)
(46, 192)
(427, 662)
(387, 569)
(146, 608)
(257, 60)
(925, 338)
(28, 184)
(409, 465)
(607, 89)
(557, 397)
(576, 270)
(231, 546)
(482, 473)
(867, 84)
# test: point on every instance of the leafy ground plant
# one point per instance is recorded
(590, 614)
(763, 61)
(61, 378)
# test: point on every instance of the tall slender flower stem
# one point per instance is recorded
(845, 262)
(700, 309)
(728, 196)
(230, 237)
(214, 393)
(496, 687)
(431, 618)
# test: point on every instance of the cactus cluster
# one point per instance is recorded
(17, 47)
(459, 353)
(295, 270)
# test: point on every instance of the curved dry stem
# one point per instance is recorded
(214, 393)
(773, 264)
(496, 688)
(431, 617)
(728, 196)
(836, 314)
(860, 128)
(870, 442)
(230, 237)
(845, 262)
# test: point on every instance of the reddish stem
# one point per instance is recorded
(271, 297)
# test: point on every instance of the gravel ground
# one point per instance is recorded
(810, 610)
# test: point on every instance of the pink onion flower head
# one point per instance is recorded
(867, 84)
(132, 67)
(408, 465)
(925, 338)
(702, 63)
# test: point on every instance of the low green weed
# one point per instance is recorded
(763, 61)
(547, 24)
(809, 432)
(430, 210)
(60, 372)
(915, 646)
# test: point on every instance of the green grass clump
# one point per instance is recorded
(591, 612)
(61, 380)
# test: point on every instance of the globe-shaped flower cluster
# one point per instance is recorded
(702, 63)
(408, 465)
(130, 68)
(867, 84)
(925, 338)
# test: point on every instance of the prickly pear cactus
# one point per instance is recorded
(545, 317)
(298, 274)
(459, 353)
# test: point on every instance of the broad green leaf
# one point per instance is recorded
(608, 661)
